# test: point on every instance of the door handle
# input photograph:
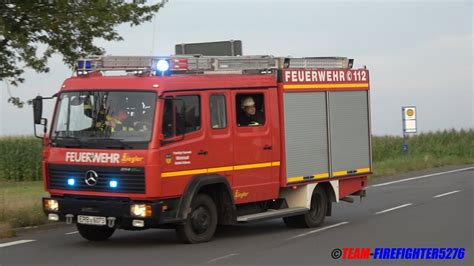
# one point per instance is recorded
(267, 147)
(202, 152)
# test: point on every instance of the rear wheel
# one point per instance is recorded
(202, 221)
(315, 216)
(95, 233)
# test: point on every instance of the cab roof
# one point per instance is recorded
(182, 82)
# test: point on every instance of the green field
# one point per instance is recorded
(425, 151)
(20, 160)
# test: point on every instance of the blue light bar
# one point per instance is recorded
(84, 64)
(71, 181)
(113, 183)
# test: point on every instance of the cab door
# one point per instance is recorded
(253, 148)
(220, 146)
(182, 156)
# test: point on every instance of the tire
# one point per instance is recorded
(95, 233)
(315, 216)
(201, 223)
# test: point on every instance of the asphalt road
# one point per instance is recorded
(431, 208)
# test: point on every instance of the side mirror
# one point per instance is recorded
(38, 109)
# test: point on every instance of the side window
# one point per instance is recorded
(218, 111)
(181, 115)
(168, 118)
(250, 110)
(188, 114)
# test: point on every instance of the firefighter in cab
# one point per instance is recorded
(250, 115)
(113, 116)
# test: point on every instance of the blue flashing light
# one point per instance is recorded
(113, 183)
(84, 64)
(71, 181)
(162, 65)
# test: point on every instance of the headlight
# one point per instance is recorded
(140, 210)
(50, 205)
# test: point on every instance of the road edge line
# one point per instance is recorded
(422, 176)
(317, 230)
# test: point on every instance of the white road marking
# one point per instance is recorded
(72, 233)
(423, 176)
(223, 257)
(445, 194)
(317, 230)
(15, 243)
(392, 209)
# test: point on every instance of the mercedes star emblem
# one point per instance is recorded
(91, 178)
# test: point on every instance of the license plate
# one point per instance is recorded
(94, 220)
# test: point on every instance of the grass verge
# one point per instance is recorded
(20, 206)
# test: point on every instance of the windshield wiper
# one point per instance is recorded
(120, 142)
(76, 141)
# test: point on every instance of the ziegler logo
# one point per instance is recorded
(131, 159)
(240, 195)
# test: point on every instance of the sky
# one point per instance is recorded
(418, 52)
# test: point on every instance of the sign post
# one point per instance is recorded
(409, 124)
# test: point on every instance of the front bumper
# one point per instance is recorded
(116, 211)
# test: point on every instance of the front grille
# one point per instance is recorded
(129, 179)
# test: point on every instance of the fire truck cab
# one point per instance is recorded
(190, 142)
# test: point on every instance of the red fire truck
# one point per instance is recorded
(191, 142)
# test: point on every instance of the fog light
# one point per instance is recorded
(138, 223)
(113, 183)
(140, 210)
(50, 205)
(53, 217)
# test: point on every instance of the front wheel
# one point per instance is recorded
(315, 216)
(201, 223)
(95, 233)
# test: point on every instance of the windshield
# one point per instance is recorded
(89, 117)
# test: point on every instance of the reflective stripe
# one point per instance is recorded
(219, 169)
(323, 175)
(251, 166)
(295, 179)
(363, 170)
(339, 173)
(188, 172)
(301, 178)
(326, 175)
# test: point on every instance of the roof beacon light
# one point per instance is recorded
(162, 65)
(179, 64)
(84, 64)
